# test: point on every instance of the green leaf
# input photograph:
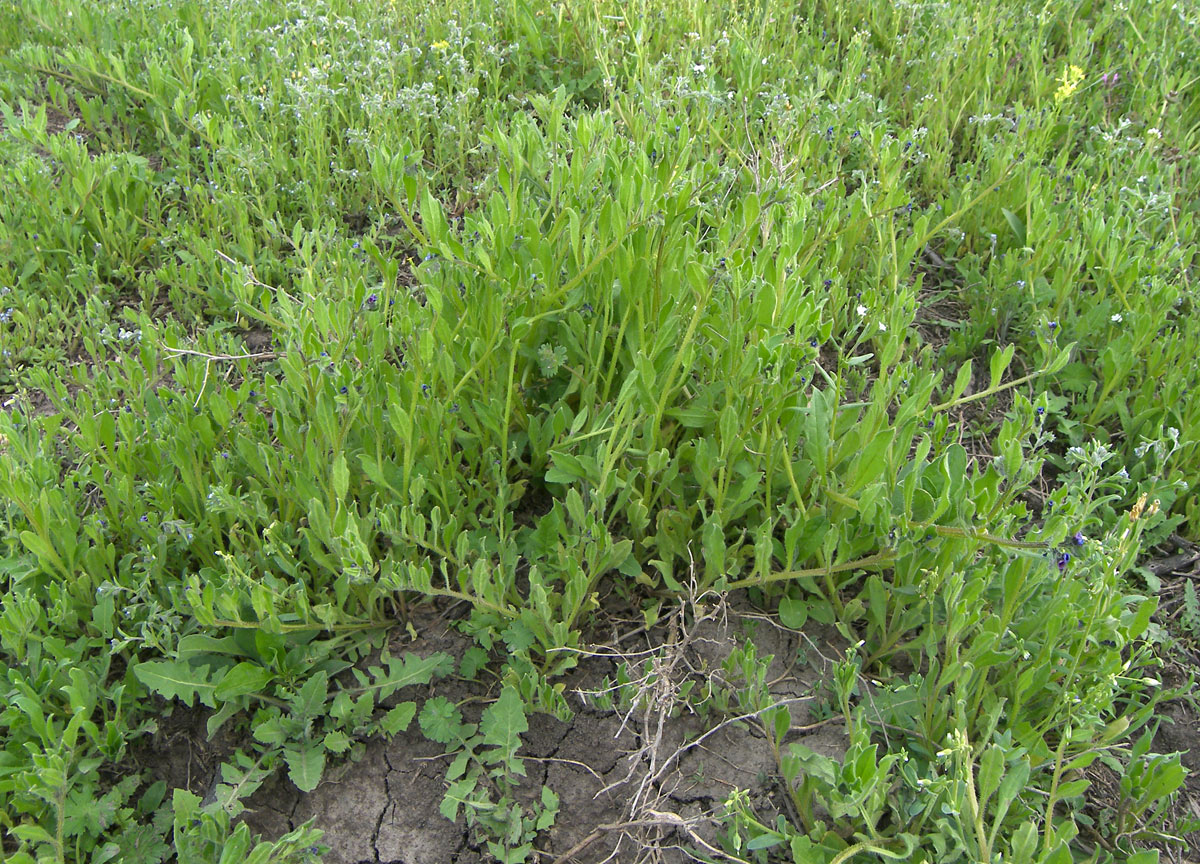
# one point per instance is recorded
(474, 659)
(1146, 856)
(336, 741)
(1074, 788)
(184, 804)
(991, 767)
(1024, 843)
(201, 643)
(793, 612)
(217, 720)
(31, 833)
(1014, 782)
(764, 841)
(236, 847)
(305, 766)
(961, 380)
(549, 812)
(175, 680)
(502, 725)
(397, 719)
(309, 701)
(1016, 224)
(243, 679)
(270, 731)
(999, 363)
(518, 637)
(458, 793)
(1060, 361)
(440, 720)
(341, 476)
(413, 669)
(815, 764)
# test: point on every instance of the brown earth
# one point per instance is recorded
(631, 787)
(642, 783)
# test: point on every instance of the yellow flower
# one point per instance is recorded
(440, 46)
(1072, 77)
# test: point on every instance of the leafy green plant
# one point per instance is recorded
(485, 769)
(313, 312)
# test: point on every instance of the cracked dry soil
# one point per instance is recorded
(627, 783)
(630, 787)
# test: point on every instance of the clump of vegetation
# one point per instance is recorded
(881, 312)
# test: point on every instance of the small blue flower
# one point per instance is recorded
(812, 343)
(828, 283)
(1063, 561)
(1053, 325)
(344, 389)
(1040, 410)
(425, 389)
(372, 300)
(1079, 538)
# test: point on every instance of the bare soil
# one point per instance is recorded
(638, 784)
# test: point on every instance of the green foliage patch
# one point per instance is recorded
(881, 312)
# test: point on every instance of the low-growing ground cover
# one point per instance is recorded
(598, 430)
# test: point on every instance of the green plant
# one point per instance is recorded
(314, 312)
(484, 771)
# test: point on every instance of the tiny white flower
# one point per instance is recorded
(862, 310)
(1116, 318)
(882, 327)
(1154, 132)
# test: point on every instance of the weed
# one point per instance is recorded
(312, 312)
